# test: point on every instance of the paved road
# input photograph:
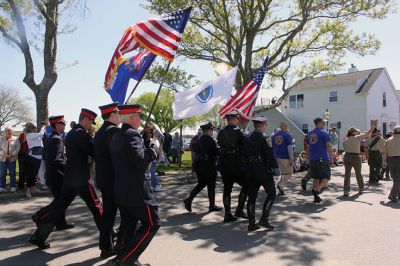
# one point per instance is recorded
(359, 230)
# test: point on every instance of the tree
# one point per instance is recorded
(303, 38)
(162, 113)
(13, 108)
(44, 15)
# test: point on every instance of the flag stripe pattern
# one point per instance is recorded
(125, 45)
(162, 35)
(244, 100)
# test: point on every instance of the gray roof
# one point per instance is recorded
(362, 79)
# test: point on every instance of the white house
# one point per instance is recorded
(350, 99)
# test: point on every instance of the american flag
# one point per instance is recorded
(162, 35)
(245, 99)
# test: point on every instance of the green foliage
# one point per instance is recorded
(302, 38)
(176, 79)
(162, 113)
(186, 164)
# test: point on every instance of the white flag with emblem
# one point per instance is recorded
(202, 98)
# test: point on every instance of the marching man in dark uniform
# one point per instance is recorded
(132, 189)
(261, 167)
(105, 175)
(205, 166)
(230, 140)
(79, 148)
(55, 165)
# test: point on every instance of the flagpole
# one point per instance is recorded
(158, 93)
(137, 83)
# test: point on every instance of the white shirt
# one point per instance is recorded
(35, 140)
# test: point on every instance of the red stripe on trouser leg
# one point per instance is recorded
(143, 238)
(96, 202)
(44, 216)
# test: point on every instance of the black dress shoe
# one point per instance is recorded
(214, 208)
(35, 219)
(65, 226)
(39, 243)
(241, 214)
(229, 218)
(106, 253)
(266, 224)
(188, 205)
(253, 227)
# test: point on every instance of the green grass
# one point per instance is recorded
(186, 164)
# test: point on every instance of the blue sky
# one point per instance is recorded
(97, 35)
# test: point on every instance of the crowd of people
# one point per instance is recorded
(120, 159)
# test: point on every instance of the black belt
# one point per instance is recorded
(255, 159)
(202, 157)
(229, 151)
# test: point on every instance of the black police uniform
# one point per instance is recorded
(132, 189)
(55, 165)
(230, 140)
(79, 148)
(260, 164)
(105, 182)
(205, 165)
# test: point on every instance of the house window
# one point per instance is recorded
(292, 100)
(384, 99)
(333, 96)
(300, 101)
(305, 128)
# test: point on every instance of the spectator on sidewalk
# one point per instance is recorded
(352, 158)
(9, 148)
(22, 157)
(35, 147)
(193, 153)
(176, 148)
(167, 145)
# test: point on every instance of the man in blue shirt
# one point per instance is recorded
(282, 143)
(319, 153)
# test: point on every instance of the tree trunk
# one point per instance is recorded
(42, 110)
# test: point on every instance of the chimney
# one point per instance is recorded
(353, 68)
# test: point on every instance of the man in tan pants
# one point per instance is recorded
(391, 159)
(352, 157)
(282, 143)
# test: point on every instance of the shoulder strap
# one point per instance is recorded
(374, 142)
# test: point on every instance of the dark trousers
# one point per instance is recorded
(394, 168)
(44, 212)
(230, 177)
(203, 180)
(375, 165)
(68, 194)
(269, 187)
(32, 168)
(22, 170)
(107, 219)
(138, 242)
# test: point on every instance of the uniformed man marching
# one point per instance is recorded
(205, 166)
(230, 140)
(55, 165)
(79, 148)
(132, 188)
(391, 159)
(105, 175)
(261, 167)
(375, 149)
